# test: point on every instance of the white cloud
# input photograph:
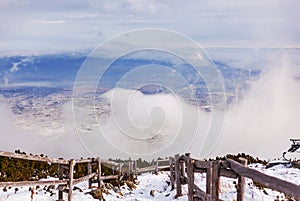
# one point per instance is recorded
(61, 25)
(50, 21)
(14, 67)
(267, 117)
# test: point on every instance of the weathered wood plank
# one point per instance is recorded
(151, 169)
(129, 170)
(200, 194)
(71, 176)
(203, 164)
(33, 183)
(241, 182)
(172, 173)
(60, 177)
(120, 169)
(99, 171)
(182, 169)
(53, 160)
(209, 181)
(107, 162)
(33, 158)
(135, 167)
(191, 179)
(85, 178)
(215, 180)
(266, 180)
(109, 177)
(89, 169)
(163, 167)
(146, 169)
(178, 176)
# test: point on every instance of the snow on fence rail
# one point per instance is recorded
(65, 165)
(183, 167)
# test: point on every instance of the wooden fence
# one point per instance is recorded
(183, 168)
(160, 164)
(182, 171)
(62, 166)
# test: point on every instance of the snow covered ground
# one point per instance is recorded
(155, 187)
(253, 193)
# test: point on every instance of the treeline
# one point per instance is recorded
(141, 163)
(236, 157)
(12, 169)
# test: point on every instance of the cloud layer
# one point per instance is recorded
(268, 116)
(34, 27)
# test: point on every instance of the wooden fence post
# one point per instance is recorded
(120, 171)
(99, 171)
(60, 177)
(190, 175)
(182, 169)
(89, 168)
(209, 184)
(215, 180)
(172, 173)
(135, 168)
(241, 182)
(129, 169)
(71, 177)
(178, 176)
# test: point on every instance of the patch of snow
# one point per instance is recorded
(152, 187)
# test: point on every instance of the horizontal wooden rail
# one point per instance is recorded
(85, 178)
(34, 158)
(107, 162)
(146, 169)
(151, 169)
(109, 177)
(163, 167)
(33, 183)
(53, 160)
(65, 165)
(266, 180)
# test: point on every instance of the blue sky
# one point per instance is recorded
(39, 27)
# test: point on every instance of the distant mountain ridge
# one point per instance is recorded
(63, 68)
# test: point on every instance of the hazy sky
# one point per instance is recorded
(33, 26)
